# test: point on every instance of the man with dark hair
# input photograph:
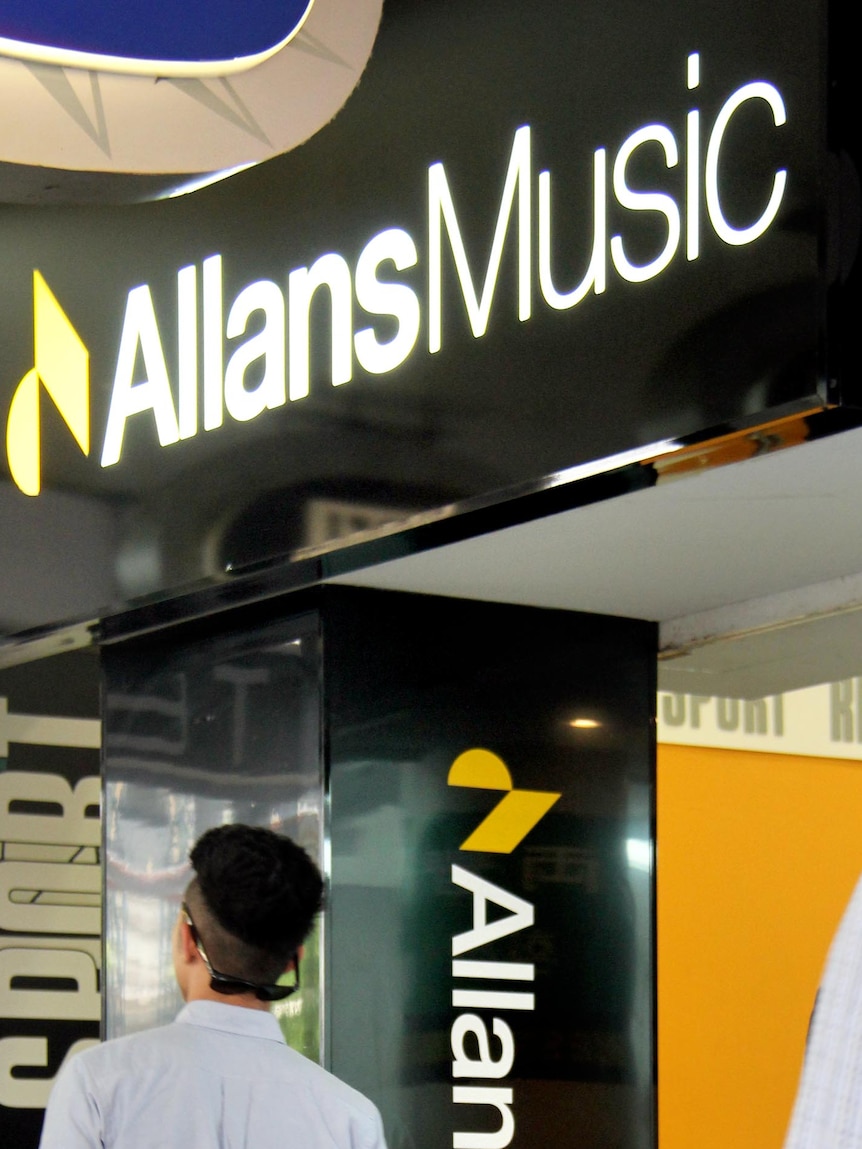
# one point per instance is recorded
(221, 1076)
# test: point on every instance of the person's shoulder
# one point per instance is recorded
(330, 1089)
(101, 1058)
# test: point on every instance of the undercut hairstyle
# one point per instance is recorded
(253, 900)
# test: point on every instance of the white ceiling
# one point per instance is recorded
(728, 540)
(112, 133)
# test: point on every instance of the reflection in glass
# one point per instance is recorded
(412, 683)
(226, 730)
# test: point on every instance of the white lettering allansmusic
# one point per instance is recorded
(272, 366)
(484, 1049)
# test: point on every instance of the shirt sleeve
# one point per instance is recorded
(827, 1111)
(72, 1118)
(377, 1138)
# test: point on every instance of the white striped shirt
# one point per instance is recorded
(828, 1109)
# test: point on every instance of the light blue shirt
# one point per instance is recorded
(219, 1077)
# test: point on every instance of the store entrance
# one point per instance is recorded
(476, 781)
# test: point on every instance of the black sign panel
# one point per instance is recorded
(491, 937)
(535, 235)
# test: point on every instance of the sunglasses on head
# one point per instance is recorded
(224, 983)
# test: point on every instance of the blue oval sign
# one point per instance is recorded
(145, 33)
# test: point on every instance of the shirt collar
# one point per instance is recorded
(231, 1019)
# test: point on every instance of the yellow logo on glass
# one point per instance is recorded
(513, 817)
(62, 367)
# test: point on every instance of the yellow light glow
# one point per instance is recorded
(584, 724)
(62, 367)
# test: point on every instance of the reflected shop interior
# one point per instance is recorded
(195, 740)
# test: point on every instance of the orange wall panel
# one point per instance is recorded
(757, 856)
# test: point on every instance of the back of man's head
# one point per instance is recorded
(253, 899)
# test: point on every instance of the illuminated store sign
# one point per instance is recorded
(471, 1028)
(483, 1047)
(271, 367)
(62, 367)
(482, 268)
(517, 812)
